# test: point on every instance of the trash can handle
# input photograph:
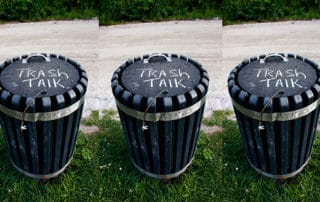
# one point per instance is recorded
(147, 60)
(25, 60)
(264, 60)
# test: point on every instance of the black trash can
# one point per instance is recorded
(41, 101)
(276, 102)
(160, 100)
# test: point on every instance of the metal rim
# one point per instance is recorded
(162, 116)
(42, 116)
(162, 177)
(279, 177)
(42, 177)
(277, 116)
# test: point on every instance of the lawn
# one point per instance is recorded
(102, 171)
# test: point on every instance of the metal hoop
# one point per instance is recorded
(42, 116)
(163, 177)
(277, 116)
(42, 177)
(279, 177)
(161, 116)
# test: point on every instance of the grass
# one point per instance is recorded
(207, 14)
(102, 171)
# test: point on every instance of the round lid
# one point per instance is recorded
(160, 83)
(276, 73)
(160, 73)
(36, 73)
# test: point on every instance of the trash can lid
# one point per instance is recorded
(160, 73)
(275, 87)
(28, 75)
(41, 87)
(160, 83)
(266, 76)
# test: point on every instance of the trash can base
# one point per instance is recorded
(279, 177)
(162, 177)
(42, 177)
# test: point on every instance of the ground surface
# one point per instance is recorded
(102, 49)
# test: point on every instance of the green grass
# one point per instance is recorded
(102, 171)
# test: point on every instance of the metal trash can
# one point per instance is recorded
(160, 100)
(276, 101)
(41, 101)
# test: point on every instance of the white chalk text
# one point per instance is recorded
(173, 78)
(289, 78)
(51, 78)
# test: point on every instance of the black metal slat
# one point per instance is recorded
(315, 117)
(271, 142)
(249, 133)
(134, 140)
(75, 131)
(245, 142)
(8, 132)
(153, 128)
(140, 134)
(201, 90)
(296, 125)
(257, 134)
(33, 139)
(189, 124)
(285, 137)
(59, 133)
(243, 123)
(181, 102)
(125, 131)
(7, 138)
(80, 91)
(19, 135)
(306, 123)
(132, 130)
(46, 132)
(13, 141)
(196, 131)
(70, 98)
(312, 134)
(168, 140)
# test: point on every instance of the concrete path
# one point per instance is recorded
(102, 49)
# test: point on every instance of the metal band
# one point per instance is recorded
(42, 116)
(42, 177)
(162, 116)
(279, 177)
(162, 177)
(277, 116)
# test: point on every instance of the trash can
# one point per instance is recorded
(276, 101)
(160, 100)
(41, 101)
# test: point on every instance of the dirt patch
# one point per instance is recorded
(89, 130)
(211, 130)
